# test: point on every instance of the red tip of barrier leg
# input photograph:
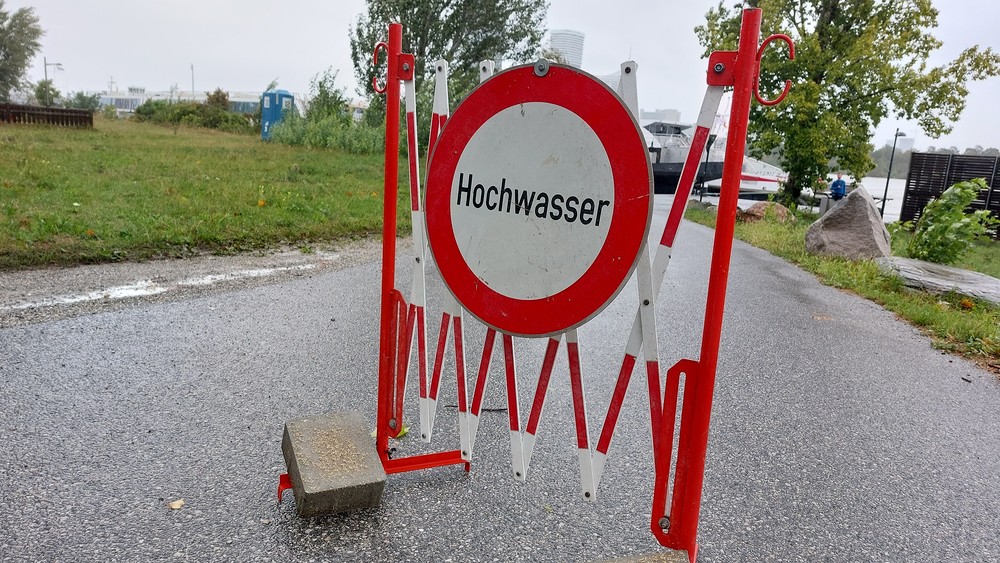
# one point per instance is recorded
(284, 483)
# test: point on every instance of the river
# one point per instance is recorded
(876, 187)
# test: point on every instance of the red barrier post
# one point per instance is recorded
(390, 194)
(682, 525)
(399, 66)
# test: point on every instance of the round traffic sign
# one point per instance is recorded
(539, 197)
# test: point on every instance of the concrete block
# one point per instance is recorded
(332, 462)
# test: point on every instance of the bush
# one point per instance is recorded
(328, 124)
(326, 100)
(80, 100)
(945, 231)
(218, 99)
(212, 114)
(152, 110)
(331, 133)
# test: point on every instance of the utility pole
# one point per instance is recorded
(47, 64)
(192, 81)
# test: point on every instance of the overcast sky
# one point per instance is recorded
(241, 45)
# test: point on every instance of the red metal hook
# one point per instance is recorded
(382, 45)
(756, 80)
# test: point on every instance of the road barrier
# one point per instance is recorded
(550, 265)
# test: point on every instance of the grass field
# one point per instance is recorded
(134, 191)
(957, 324)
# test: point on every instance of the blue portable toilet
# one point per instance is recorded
(273, 104)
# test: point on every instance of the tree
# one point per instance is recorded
(19, 35)
(900, 162)
(217, 100)
(326, 100)
(79, 100)
(46, 93)
(855, 63)
(463, 32)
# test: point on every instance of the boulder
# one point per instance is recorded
(763, 209)
(938, 278)
(851, 229)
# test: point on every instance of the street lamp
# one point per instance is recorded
(48, 64)
(888, 175)
(704, 168)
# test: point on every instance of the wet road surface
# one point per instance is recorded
(838, 433)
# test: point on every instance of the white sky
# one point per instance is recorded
(241, 45)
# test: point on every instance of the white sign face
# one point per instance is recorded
(539, 197)
(531, 217)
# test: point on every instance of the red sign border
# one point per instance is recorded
(599, 107)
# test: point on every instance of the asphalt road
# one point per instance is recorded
(838, 433)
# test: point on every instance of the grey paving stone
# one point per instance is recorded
(332, 461)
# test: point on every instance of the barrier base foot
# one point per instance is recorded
(332, 463)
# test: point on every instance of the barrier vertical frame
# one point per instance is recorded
(676, 529)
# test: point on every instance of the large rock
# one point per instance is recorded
(938, 278)
(851, 229)
(763, 209)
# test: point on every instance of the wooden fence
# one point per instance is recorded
(932, 173)
(13, 113)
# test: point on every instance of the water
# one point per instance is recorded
(874, 185)
(894, 202)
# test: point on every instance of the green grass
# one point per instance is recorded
(984, 256)
(135, 191)
(957, 324)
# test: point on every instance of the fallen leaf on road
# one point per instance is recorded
(176, 505)
(822, 318)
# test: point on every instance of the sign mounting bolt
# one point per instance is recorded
(719, 67)
(541, 67)
(392, 423)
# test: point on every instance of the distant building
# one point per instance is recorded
(568, 44)
(612, 80)
(127, 102)
(663, 115)
(357, 109)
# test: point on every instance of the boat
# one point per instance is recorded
(758, 180)
(669, 152)
(672, 144)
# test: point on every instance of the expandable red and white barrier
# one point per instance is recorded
(675, 528)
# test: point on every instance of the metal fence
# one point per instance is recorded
(14, 113)
(932, 173)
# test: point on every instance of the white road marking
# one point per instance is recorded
(144, 288)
